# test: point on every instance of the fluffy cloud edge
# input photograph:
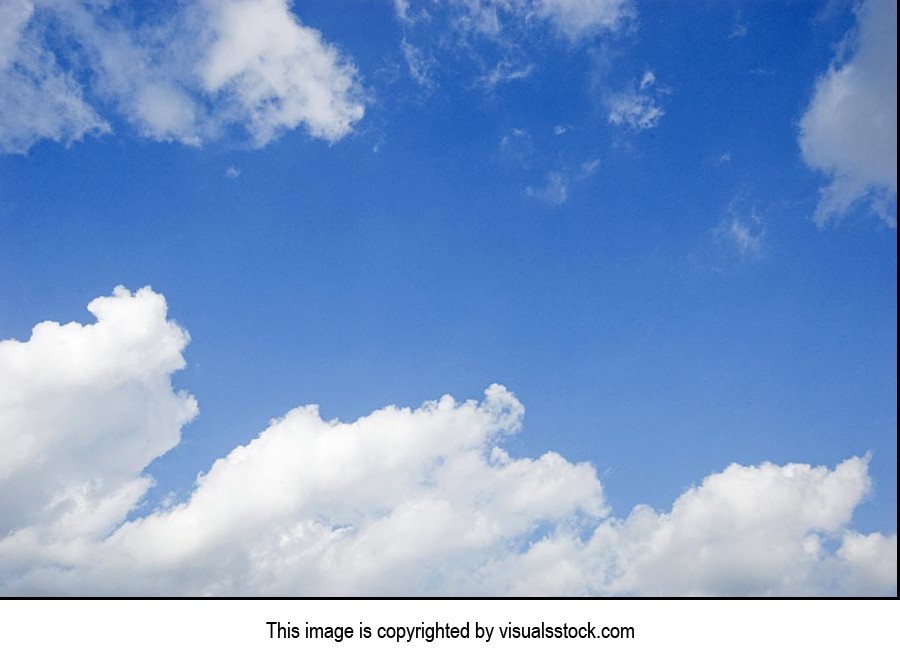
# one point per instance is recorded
(849, 130)
(213, 67)
(402, 501)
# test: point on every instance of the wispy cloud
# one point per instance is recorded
(637, 107)
(738, 32)
(743, 231)
(420, 66)
(502, 26)
(589, 167)
(554, 190)
(517, 145)
(503, 72)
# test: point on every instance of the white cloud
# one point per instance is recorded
(749, 531)
(745, 231)
(738, 32)
(408, 15)
(402, 501)
(518, 145)
(752, 531)
(276, 72)
(232, 172)
(213, 66)
(579, 18)
(747, 237)
(401, 9)
(636, 108)
(505, 71)
(555, 189)
(493, 35)
(588, 167)
(849, 130)
(573, 19)
(419, 66)
(83, 409)
(636, 111)
(870, 561)
(38, 100)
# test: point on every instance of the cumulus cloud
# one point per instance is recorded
(740, 528)
(849, 130)
(213, 66)
(752, 531)
(83, 409)
(401, 501)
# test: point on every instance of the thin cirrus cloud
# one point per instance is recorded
(504, 24)
(420, 66)
(402, 501)
(636, 107)
(215, 66)
(744, 230)
(849, 130)
(575, 19)
(555, 189)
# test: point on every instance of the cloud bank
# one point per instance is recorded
(849, 130)
(213, 67)
(400, 502)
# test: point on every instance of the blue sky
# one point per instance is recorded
(621, 221)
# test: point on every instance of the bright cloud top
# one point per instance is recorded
(83, 409)
(402, 501)
(216, 65)
(849, 131)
